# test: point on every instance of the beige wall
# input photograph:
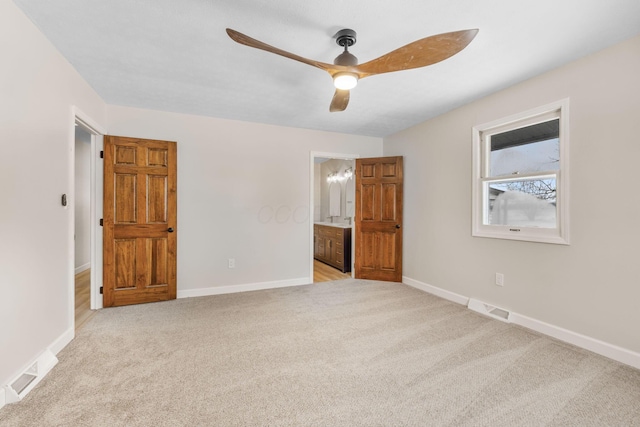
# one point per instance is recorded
(38, 88)
(591, 287)
(243, 193)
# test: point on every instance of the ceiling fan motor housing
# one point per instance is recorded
(346, 38)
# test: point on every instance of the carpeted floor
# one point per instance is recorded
(344, 353)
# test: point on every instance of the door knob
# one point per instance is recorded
(170, 230)
(397, 225)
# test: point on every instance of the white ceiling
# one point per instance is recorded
(176, 56)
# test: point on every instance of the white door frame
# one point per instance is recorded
(312, 157)
(96, 189)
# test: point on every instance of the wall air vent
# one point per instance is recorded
(25, 382)
(489, 310)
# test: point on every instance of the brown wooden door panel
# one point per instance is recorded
(387, 250)
(369, 248)
(157, 157)
(388, 200)
(125, 155)
(378, 219)
(125, 201)
(125, 263)
(367, 199)
(140, 206)
(158, 273)
(157, 190)
(368, 170)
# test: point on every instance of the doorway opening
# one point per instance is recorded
(85, 235)
(332, 208)
(82, 225)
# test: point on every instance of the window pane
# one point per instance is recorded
(526, 203)
(534, 148)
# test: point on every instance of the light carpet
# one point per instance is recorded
(344, 353)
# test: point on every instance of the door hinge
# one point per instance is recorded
(101, 289)
(102, 154)
(101, 222)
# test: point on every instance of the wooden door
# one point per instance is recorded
(378, 219)
(140, 221)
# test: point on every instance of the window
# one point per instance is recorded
(520, 188)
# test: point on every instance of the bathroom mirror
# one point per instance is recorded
(335, 194)
(350, 197)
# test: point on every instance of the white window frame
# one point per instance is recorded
(481, 153)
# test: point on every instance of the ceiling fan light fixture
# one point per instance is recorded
(345, 81)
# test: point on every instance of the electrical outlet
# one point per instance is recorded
(232, 263)
(499, 279)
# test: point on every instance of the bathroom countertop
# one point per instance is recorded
(334, 224)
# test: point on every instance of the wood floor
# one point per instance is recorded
(325, 273)
(83, 298)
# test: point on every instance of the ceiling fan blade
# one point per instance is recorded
(340, 100)
(251, 42)
(420, 53)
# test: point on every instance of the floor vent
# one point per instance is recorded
(489, 310)
(25, 382)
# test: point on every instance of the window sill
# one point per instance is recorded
(535, 236)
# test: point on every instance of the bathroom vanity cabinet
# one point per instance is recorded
(332, 245)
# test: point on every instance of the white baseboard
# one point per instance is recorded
(82, 268)
(62, 341)
(219, 290)
(602, 348)
(442, 293)
(605, 349)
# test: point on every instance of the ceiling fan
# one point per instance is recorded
(345, 70)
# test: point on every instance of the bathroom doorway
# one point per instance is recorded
(82, 226)
(332, 208)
